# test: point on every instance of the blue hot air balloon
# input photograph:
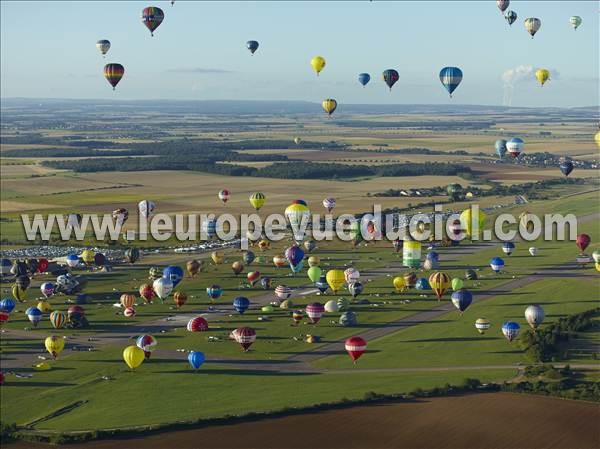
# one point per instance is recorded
(209, 227)
(433, 256)
(241, 304)
(364, 79)
(451, 78)
(322, 284)
(422, 284)
(508, 248)
(510, 329)
(500, 148)
(174, 274)
(510, 17)
(566, 167)
(462, 299)
(7, 305)
(266, 282)
(252, 46)
(294, 255)
(214, 291)
(196, 359)
(34, 314)
(497, 264)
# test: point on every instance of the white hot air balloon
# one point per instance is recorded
(162, 287)
(534, 315)
(533, 250)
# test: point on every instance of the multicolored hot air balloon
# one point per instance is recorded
(47, 289)
(532, 25)
(364, 78)
(58, 319)
(224, 195)
(575, 21)
(7, 305)
(103, 46)
(113, 73)
(297, 316)
(510, 329)
(511, 17)
(152, 17)
(315, 311)
(318, 63)
(193, 267)
(471, 223)
(127, 300)
(133, 356)
(283, 292)
(329, 204)
(147, 293)
(179, 298)
(132, 254)
(390, 76)
(294, 255)
(34, 314)
(174, 273)
(439, 282)
(298, 213)
(146, 343)
(542, 75)
(355, 347)
(329, 105)
(515, 147)
(252, 46)
(482, 325)
(257, 200)
(451, 78)
(253, 277)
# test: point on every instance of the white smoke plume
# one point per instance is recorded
(511, 78)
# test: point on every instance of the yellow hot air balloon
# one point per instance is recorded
(597, 139)
(257, 200)
(44, 306)
(297, 140)
(399, 283)
(313, 261)
(88, 255)
(335, 279)
(18, 293)
(542, 75)
(217, 257)
(439, 282)
(329, 105)
(133, 356)
(54, 345)
(472, 224)
(317, 63)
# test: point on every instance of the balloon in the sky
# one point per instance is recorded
(462, 299)
(224, 195)
(197, 324)
(329, 105)
(533, 250)
(534, 315)
(152, 17)
(196, 359)
(317, 63)
(515, 146)
(133, 356)
(335, 279)
(508, 248)
(482, 325)
(315, 311)
(364, 78)
(411, 252)
(146, 207)
(566, 167)
(245, 336)
(510, 329)
(532, 25)
(257, 200)
(113, 73)
(542, 75)
(497, 264)
(162, 287)
(103, 45)
(54, 345)
(329, 204)
(583, 241)
(502, 4)
(252, 46)
(511, 17)
(57, 319)
(390, 76)
(241, 304)
(451, 78)
(575, 21)
(355, 347)
(146, 343)
(500, 147)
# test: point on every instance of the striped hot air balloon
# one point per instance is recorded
(197, 324)
(451, 78)
(113, 73)
(283, 292)
(57, 319)
(439, 282)
(146, 343)
(355, 346)
(315, 311)
(482, 325)
(152, 17)
(245, 336)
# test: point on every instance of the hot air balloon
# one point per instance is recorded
(265, 282)
(129, 312)
(451, 78)
(566, 167)
(297, 213)
(193, 267)
(152, 17)
(410, 279)
(364, 78)
(147, 293)
(88, 256)
(471, 275)
(297, 316)
(502, 4)
(99, 260)
(482, 325)
(335, 279)
(120, 216)
(329, 105)
(294, 255)
(597, 138)
(44, 306)
(510, 329)
(174, 274)
(47, 289)
(245, 336)
(542, 75)
(283, 292)
(315, 311)
(4, 316)
(133, 356)
(72, 260)
(329, 204)
(532, 25)
(279, 260)
(113, 73)
(355, 288)
(317, 63)
(103, 46)
(533, 250)
(497, 264)
(257, 200)
(457, 284)
(351, 275)
(224, 195)
(7, 305)
(162, 287)
(322, 284)
(197, 324)
(314, 261)
(411, 252)
(462, 299)
(75, 310)
(217, 257)
(575, 21)
(508, 248)
(253, 277)
(310, 245)
(398, 284)
(34, 314)
(472, 224)
(515, 147)
(54, 345)
(355, 346)
(583, 241)
(511, 17)
(297, 140)
(263, 245)
(209, 229)
(196, 359)
(5, 266)
(241, 304)
(314, 273)
(57, 319)
(390, 77)
(439, 282)
(146, 208)
(332, 306)
(595, 256)
(248, 257)
(252, 46)
(500, 147)
(43, 264)
(534, 315)
(214, 291)
(127, 300)
(132, 255)
(180, 298)
(237, 267)
(146, 343)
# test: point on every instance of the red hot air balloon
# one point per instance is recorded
(315, 311)
(113, 73)
(245, 336)
(42, 265)
(198, 324)
(147, 293)
(152, 17)
(583, 241)
(355, 346)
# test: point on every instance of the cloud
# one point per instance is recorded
(511, 78)
(199, 70)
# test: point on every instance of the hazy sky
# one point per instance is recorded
(48, 50)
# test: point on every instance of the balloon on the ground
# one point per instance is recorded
(245, 336)
(482, 325)
(335, 279)
(224, 196)
(297, 316)
(54, 345)
(241, 304)
(497, 264)
(57, 319)
(534, 315)
(411, 252)
(314, 273)
(355, 288)
(197, 324)
(508, 248)
(179, 298)
(174, 273)
(583, 241)
(257, 200)
(462, 299)
(322, 284)
(533, 250)
(315, 311)
(196, 359)
(511, 330)
(133, 356)
(214, 291)
(47, 289)
(331, 306)
(34, 315)
(146, 343)
(147, 293)
(398, 283)
(348, 319)
(355, 346)
(162, 287)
